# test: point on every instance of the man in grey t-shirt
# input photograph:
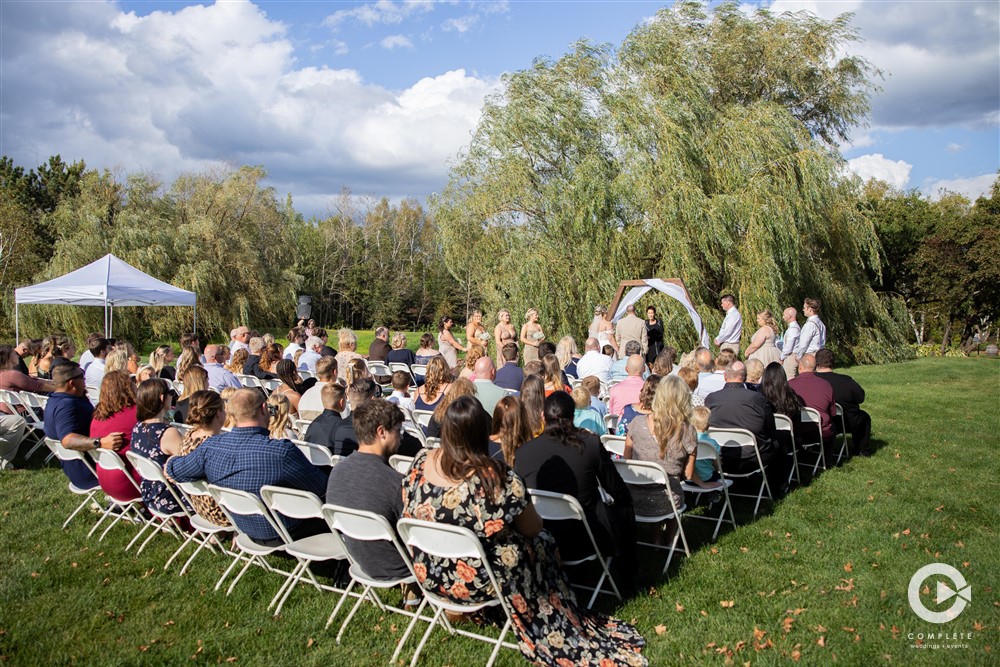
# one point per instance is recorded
(365, 481)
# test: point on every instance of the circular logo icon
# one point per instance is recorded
(962, 593)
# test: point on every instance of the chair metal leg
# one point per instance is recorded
(86, 501)
(229, 569)
(240, 575)
(354, 610)
(499, 644)
(409, 629)
(340, 603)
(423, 640)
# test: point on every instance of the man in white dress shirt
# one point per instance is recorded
(813, 334)
(313, 353)
(790, 360)
(732, 326)
(239, 339)
(593, 362)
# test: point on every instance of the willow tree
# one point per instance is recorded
(703, 147)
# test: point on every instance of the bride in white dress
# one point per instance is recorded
(602, 329)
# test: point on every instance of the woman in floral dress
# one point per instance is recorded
(461, 485)
(154, 439)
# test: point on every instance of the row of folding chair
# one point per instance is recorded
(32, 408)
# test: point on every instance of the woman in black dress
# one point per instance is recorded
(654, 335)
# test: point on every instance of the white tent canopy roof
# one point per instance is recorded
(107, 282)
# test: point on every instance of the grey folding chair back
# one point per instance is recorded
(89, 494)
(647, 473)
(742, 439)
(811, 416)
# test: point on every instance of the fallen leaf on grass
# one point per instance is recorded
(821, 641)
(758, 634)
(310, 642)
(939, 508)
(168, 624)
(231, 658)
(678, 607)
(847, 629)
(820, 629)
(786, 625)
(703, 612)
(660, 629)
(796, 654)
(849, 567)
(740, 645)
(847, 586)
(727, 604)
(35, 575)
(977, 626)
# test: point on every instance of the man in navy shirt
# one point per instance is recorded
(67, 419)
(246, 459)
(510, 375)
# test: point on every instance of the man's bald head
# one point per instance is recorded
(630, 309)
(211, 352)
(789, 315)
(807, 363)
(635, 365)
(592, 344)
(484, 369)
(246, 406)
(736, 372)
(703, 357)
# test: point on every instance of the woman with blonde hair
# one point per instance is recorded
(188, 359)
(225, 395)
(159, 360)
(503, 333)
(207, 416)
(510, 429)
(280, 426)
(436, 383)
(762, 345)
(602, 329)
(194, 379)
(552, 375)
(355, 369)
(567, 354)
(347, 344)
(667, 437)
(56, 349)
(468, 368)
(400, 354)
(531, 335)
(236, 363)
(131, 358)
(144, 373)
(117, 360)
(476, 334)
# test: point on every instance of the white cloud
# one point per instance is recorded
(396, 42)
(179, 91)
(954, 148)
(381, 12)
(894, 172)
(460, 24)
(972, 188)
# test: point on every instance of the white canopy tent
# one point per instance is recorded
(108, 282)
(672, 287)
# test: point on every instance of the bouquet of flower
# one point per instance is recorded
(485, 337)
(538, 335)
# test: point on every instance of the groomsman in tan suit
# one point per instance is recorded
(631, 327)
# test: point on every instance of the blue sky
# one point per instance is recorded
(378, 96)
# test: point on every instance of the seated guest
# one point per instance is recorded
(270, 355)
(735, 406)
(534, 367)
(533, 399)
(160, 359)
(247, 459)
(239, 339)
(155, 439)
(709, 380)
(593, 385)
(567, 355)
(426, 350)
(144, 373)
(311, 403)
(510, 375)
(313, 353)
(218, 376)
(663, 363)
(280, 425)
(618, 368)
(474, 354)
(86, 357)
(510, 429)
(253, 364)
(321, 333)
(56, 350)
(565, 459)
(850, 395)
(487, 391)
(379, 348)
(755, 369)
(435, 385)
(117, 360)
(195, 379)
(666, 437)
(816, 393)
(206, 415)
(365, 481)
(401, 390)
(116, 413)
(690, 377)
(296, 339)
(190, 357)
(12, 379)
(594, 363)
(101, 348)
(552, 375)
(643, 406)
(627, 391)
(783, 401)
(323, 429)
(400, 354)
(348, 346)
(190, 340)
(584, 416)
(68, 415)
(359, 392)
(29, 347)
(132, 359)
(705, 474)
(12, 428)
(238, 361)
(460, 387)
(292, 384)
(492, 502)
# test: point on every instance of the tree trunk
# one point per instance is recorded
(946, 338)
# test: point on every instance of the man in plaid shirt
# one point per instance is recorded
(246, 459)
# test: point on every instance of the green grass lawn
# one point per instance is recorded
(820, 577)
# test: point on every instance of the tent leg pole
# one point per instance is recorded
(17, 325)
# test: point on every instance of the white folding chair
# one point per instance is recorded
(611, 422)
(706, 452)
(318, 455)
(740, 438)
(453, 542)
(269, 385)
(561, 507)
(306, 374)
(811, 416)
(400, 463)
(370, 527)
(249, 381)
(296, 504)
(422, 417)
(432, 443)
(181, 428)
(379, 369)
(400, 366)
(784, 423)
(844, 434)
(415, 430)
(89, 494)
(240, 503)
(614, 444)
(418, 369)
(131, 510)
(203, 531)
(34, 415)
(301, 426)
(151, 471)
(647, 473)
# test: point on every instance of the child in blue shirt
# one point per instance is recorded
(704, 469)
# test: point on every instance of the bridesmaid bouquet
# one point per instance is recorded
(485, 337)
(538, 335)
